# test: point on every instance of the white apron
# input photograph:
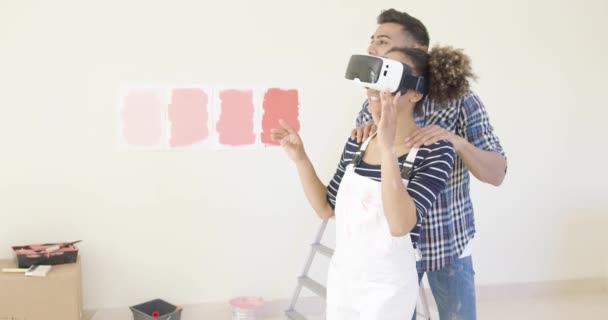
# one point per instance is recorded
(372, 275)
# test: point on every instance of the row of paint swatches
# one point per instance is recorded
(200, 117)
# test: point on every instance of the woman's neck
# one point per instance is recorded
(405, 126)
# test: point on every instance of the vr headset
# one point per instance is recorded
(383, 74)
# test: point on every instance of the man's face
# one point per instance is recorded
(387, 36)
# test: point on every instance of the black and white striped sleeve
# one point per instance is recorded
(430, 175)
(347, 155)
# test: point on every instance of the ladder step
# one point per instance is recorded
(326, 251)
(313, 286)
(294, 315)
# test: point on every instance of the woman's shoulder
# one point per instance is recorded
(439, 147)
(352, 145)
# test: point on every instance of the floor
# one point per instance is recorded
(572, 306)
(553, 306)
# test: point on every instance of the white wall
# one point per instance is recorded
(203, 226)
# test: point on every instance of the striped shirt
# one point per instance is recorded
(430, 173)
(450, 224)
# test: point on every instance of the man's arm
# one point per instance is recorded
(480, 149)
(487, 166)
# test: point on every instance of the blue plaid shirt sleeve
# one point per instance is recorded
(478, 129)
(364, 115)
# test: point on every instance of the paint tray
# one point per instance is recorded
(156, 310)
(46, 254)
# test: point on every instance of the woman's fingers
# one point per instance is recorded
(383, 100)
(388, 106)
(286, 126)
(278, 134)
(397, 96)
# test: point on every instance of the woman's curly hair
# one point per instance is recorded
(449, 72)
(446, 69)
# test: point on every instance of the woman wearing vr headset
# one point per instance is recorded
(382, 189)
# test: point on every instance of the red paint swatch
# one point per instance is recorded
(279, 104)
(235, 124)
(141, 117)
(189, 117)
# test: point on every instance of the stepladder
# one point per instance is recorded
(306, 281)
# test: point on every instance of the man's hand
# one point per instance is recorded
(363, 132)
(428, 135)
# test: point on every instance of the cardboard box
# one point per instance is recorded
(55, 297)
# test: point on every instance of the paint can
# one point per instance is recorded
(245, 308)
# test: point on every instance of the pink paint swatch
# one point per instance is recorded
(279, 104)
(235, 124)
(189, 117)
(141, 116)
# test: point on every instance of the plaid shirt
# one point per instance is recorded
(449, 224)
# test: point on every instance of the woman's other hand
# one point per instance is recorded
(289, 140)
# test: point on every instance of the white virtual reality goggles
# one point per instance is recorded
(383, 74)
